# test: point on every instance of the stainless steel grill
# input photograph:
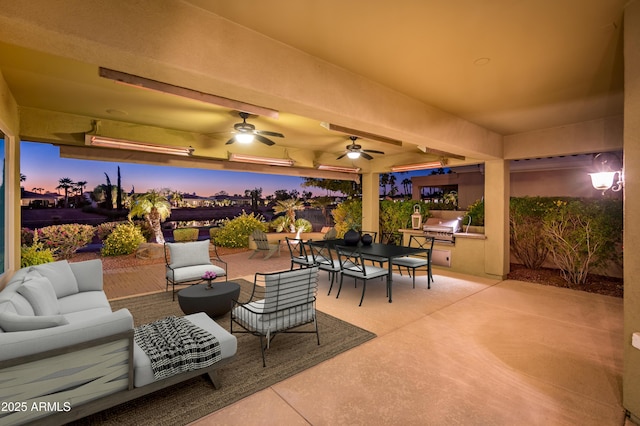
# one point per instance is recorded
(441, 230)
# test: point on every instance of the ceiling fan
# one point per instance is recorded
(246, 133)
(354, 151)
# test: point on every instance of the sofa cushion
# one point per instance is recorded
(84, 301)
(41, 295)
(14, 322)
(88, 274)
(189, 254)
(60, 275)
(190, 273)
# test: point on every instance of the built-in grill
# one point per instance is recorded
(441, 230)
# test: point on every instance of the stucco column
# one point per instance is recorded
(631, 372)
(371, 202)
(496, 218)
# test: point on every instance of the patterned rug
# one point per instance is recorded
(190, 400)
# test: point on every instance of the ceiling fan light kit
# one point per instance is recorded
(252, 159)
(419, 166)
(105, 142)
(247, 133)
(244, 138)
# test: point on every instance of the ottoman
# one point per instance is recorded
(215, 301)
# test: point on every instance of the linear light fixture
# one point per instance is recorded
(105, 142)
(159, 86)
(419, 166)
(338, 168)
(241, 158)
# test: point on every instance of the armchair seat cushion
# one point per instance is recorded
(190, 273)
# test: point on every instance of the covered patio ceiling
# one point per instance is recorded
(499, 68)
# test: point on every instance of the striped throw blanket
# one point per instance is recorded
(175, 345)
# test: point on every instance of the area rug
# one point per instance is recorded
(190, 400)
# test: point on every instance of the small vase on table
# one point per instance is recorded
(209, 276)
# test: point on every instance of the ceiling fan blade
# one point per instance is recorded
(373, 151)
(268, 133)
(365, 155)
(341, 156)
(264, 140)
(230, 141)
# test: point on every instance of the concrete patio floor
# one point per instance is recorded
(469, 351)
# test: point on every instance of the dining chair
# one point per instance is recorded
(374, 259)
(324, 258)
(352, 265)
(419, 260)
(299, 254)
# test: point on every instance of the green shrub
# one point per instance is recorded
(104, 229)
(397, 215)
(303, 224)
(348, 215)
(66, 239)
(526, 218)
(26, 236)
(476, 212)
(185, 234)
(581, 234)
(279, 224)
(124, 239)
(35, 254)
(213, 231)
(235, 232)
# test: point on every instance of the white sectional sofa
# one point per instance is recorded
(64, 350)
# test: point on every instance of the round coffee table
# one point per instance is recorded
(215, 301)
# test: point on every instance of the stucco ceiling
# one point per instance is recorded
(508, 66)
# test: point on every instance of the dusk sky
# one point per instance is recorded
(43, 167)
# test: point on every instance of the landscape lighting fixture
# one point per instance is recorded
(104, 142)
(338, 168)
(607, 166)
(241, 158)
(419, 166)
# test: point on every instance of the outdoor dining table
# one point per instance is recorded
(386, 251)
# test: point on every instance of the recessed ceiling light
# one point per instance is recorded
(481, 61)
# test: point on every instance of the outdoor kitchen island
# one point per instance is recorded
(463, 252)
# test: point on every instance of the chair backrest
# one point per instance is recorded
(374, 235)
(321, 254)
(351, 260)
(393, 238)
(297, 248)
(191, 253)
(260, 238)
(422, 241)
(288, 289)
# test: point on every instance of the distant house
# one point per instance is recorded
(37, 200)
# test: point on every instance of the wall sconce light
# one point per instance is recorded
(241, 158)
(608, 165)
(104, 142)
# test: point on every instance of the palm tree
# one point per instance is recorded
(406, 183)
(65, 184)
(289, 207)
(154, 208)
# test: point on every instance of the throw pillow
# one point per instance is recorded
(14, 322)
(40, 294)
(61, 277)
(88, 274)
(189, 254)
